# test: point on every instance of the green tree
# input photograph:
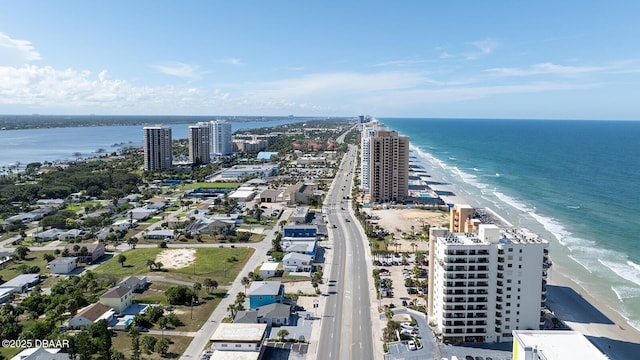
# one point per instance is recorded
(162, 346)
(21, 252)
(283, 334)
(135, 343)
(150, 263)
(179, 295)
(148, 343)
(122, 259)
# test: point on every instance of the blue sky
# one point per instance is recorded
(480, 59)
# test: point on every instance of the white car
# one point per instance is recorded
(412, 345)
(406, 325)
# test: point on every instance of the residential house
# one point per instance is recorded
(135, 283)
(92, 253)
(41, 353)
(124, 224)
(48, 235)
(141, 213)
(233, 337)
(274, 314)
(265, 292)
(21, 283)
(211, 225)
(71, 234)
(297, 262)
(118, 298)
(166, 235)
(305, 247)
(246, 317)
(63, 265)
(91, 314)
(269, 269)
(6, 295)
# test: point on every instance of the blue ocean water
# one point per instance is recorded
(573, 182)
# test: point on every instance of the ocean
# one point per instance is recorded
(60, 144)
(575, 183)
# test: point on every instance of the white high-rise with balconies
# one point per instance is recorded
(158, 150)
(484, 285)
(368, 130)
(220, 133)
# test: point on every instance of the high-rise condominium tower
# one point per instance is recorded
(199, 144)
(388, 167)
(486, 284)
(157, 148)
(220, 133)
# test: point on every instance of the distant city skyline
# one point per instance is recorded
(468, 59)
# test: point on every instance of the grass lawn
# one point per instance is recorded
(210, 263)
(122, 342)
(208, 185)
(201, 312)
(10, 269)
(79, 206)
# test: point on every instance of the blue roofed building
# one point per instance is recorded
(300, 230)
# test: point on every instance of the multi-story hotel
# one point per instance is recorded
(199, 144)
(388, 167)
(220, 133)
(461, 219)
(158, 154)
(486, 284)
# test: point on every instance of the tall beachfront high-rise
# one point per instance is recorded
(158, 150)
(199, 144)
(388, 167)
(369, 129)
(220, 133)
(486, 284)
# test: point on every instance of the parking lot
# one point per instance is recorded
(402, 296)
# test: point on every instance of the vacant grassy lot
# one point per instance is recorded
(222, 265)
(178, 344)
(12, 268)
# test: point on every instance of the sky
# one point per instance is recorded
(444, 59)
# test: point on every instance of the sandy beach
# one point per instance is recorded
(604, 327)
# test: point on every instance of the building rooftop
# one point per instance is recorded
(269, 266)
(235, 355)
(93, 312)
(264, 288)
(115, 292)
(554, 345)
(239, 332)
(63, 260)
(274, 310)
(21, 280)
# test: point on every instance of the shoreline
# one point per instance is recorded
(607, 329)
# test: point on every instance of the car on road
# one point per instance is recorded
(412, 345)
(347, 220)
(404, 302)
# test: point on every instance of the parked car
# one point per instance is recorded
(412, 345)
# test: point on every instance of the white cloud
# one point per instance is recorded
(546, 69)
(16, 52)
(232, 61)
(182, 70)
(412, 97)
(483, 47)
(400, 63)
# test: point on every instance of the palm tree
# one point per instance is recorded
(232, 309)
(159, 266)
(245, 281)
(196, 287)
(150, 263)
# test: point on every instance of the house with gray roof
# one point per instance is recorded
(265, 292)
(63, 265)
